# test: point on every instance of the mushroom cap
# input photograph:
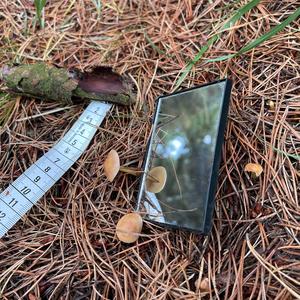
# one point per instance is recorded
(271, 104)
(156, 179)
(111, 165)
(254, 168)
(202, 285)
(129, 227)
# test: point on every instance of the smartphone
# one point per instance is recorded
(177, 188)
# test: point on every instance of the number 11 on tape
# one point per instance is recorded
(27, 189)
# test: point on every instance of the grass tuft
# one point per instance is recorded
(265, 37)
(238, 14)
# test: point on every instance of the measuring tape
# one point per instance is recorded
(25, 191)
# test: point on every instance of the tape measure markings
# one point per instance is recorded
(37, 178)
(74, 142)
(80, 135)
(68, 150)
(29, 187)
(85, 132)
(11, 200)
(6, 211)
(10, 207)
(25, 187)
(4, 227)
(60, 158)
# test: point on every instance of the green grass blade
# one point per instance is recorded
(240, 12)
(98, 5)
(190, 65)
(6, 108)
(270, 33)
(294, 156)
(261, 39)
(221, 58)
(39, 6)
(158, 50)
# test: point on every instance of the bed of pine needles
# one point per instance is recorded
(65, 247)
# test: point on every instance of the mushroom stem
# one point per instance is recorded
(131, 171)
(152, 178)
(156, 179)
(137, 172)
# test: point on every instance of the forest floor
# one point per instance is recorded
(65, 247)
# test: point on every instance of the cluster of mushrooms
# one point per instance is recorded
(129, 227)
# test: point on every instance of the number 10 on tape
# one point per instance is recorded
(27, 189)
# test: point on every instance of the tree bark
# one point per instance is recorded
(49, 82)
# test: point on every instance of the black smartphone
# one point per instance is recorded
(181, 165)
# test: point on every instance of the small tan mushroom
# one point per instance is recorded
(111, 165)
(254, 168)
(202, 285)
(271, 104)
(129, 227)
(156, 179)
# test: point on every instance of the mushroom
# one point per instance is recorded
(112, 166)
(156, 179)
(254, 168)
(271, 104)
(129, 227)
(202, 285)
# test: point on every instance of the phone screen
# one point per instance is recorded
(186, 141)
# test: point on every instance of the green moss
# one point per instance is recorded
(42, 81)
(119, 98)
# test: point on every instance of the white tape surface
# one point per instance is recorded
(27, 189)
